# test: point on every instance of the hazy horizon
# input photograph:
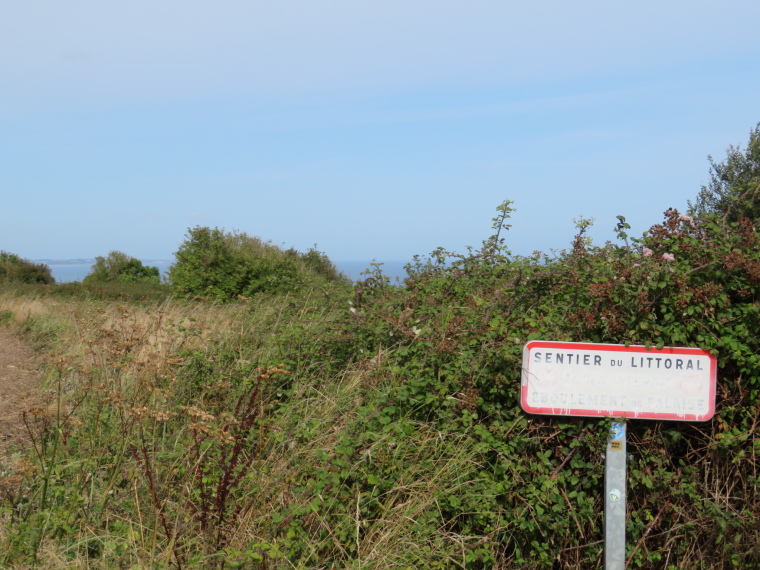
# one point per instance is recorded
(79, 268)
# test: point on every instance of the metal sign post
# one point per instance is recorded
(614, 498)
(617, 381)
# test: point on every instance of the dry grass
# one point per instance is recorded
(148, 396)
(118, 369)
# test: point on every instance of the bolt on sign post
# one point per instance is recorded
(620, 382)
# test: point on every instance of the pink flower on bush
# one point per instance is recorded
(668, 257)
(685, 218)
(647, 252)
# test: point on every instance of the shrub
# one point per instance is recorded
(13, 269)
(319, 263)
(734, 188)
(222, 266)
(120, 267)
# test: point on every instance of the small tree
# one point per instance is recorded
(120, 267)
(13, 269)
(734, 188)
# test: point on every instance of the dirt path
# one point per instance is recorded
(20, 380)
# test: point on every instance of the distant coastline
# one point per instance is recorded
(52, 262)
(70, 270)
(91, 261)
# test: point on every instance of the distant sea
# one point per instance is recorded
(69, 270)
(354, 269)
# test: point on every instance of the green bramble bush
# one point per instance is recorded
(445, 354)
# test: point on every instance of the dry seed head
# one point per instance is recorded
(229, 419)
(25, 468)
(225, 437)
(111, 400)
(197, 413)
(202, 427)
(158, 415)
(74, 423)
(266, 373)
(37, 411)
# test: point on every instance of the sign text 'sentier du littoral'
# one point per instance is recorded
(586, 379)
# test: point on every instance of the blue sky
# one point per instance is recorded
(375, 130)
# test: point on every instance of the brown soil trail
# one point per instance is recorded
(20, 381)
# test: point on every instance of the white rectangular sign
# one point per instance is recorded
(586, 379)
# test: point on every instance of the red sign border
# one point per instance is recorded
(634, 348)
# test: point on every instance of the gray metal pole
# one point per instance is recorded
(614, 498)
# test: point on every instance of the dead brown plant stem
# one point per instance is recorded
(568, 456)
(648, 530)
(157, 505)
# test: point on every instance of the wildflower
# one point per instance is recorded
(685, 218)
(647, 252)
(668, 257)
(637, 265)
